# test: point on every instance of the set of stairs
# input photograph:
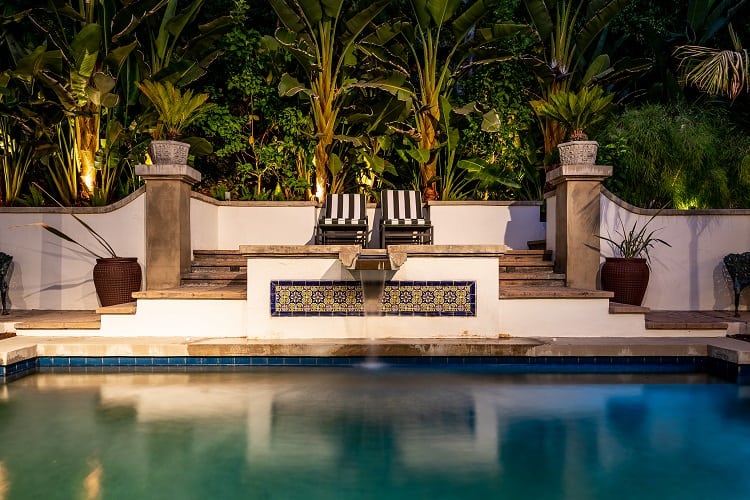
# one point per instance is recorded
(529, 268)
(216, 268)
(518, 269)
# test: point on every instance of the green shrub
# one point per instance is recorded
(683, 156)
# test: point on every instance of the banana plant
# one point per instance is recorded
(565, 33)
(322, 35)
(426, 56)
(173, 56)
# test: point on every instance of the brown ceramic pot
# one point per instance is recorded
(627, 278)
(115, 280)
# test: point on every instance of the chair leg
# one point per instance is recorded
(737, 303)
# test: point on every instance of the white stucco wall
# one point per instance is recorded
(486, 223)
(227, 225)
(690, 274)
(482, 270)
(50, 273)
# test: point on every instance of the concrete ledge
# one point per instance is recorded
(552, 292)
(21, 348)
(617, 308)
(128, 308)
(229, 292)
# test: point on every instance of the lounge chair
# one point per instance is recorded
(343, 220)
(403, 222)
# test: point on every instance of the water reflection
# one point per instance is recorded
(344, 433)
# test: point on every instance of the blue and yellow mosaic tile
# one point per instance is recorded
(400, 298)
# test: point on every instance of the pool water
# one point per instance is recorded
(368, 434)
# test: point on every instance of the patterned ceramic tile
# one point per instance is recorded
(400, 298)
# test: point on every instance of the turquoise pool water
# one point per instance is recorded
(368, 434)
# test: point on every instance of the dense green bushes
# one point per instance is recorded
(677, 155)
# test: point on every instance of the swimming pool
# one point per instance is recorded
(350, 433)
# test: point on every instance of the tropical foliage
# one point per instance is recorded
(576, 111)
(316, 96)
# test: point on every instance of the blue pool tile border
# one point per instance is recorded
(494, 364)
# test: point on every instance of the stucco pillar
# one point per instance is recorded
(168, 252)
(577, 190)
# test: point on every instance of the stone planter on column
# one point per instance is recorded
(168, 252)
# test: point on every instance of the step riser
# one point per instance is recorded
(213, 282)
(527, 269)
(511, 283)
(218, 269)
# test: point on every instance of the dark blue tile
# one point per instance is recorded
(177, 361)
(241, 360)
(46, 361)
(77, 361)
(259, 360)
(93, 361)
(193, 361)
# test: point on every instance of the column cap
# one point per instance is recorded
(579, 173)
(184, 173)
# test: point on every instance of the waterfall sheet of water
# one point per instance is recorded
(373, 274)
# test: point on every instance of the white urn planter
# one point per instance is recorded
(578, 152)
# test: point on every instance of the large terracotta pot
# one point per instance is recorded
(115, 280)
(627, 278)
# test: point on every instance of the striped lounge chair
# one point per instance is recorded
(403, 222)
(342, 221)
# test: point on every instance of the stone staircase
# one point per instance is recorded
(529, 268)
(216, 268)
(518, 269)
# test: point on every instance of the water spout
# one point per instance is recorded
(373, 269)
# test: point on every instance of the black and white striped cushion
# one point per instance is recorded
(401, 204)
(353, 222)
(406, 222)
(344, 207)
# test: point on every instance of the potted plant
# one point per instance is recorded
(576, 111)
(176, 110)
(115, 277)
(627, 275)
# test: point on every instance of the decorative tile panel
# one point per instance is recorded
(400, 298)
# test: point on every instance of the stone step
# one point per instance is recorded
(528, 267)
(216, 268)
(229, 267)
(532, 279)
(199, 254)
(128, 308)
(214, 278)
(552, 292)
(544, 254)
(227, 292)
(617, 308)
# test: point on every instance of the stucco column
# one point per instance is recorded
(168, 252)
(577, 190)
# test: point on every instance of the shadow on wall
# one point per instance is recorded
(517, 234)
(723, 294)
